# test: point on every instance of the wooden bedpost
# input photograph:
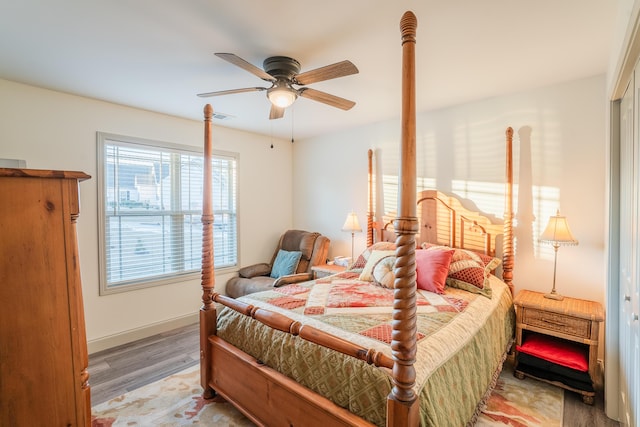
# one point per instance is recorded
(507, 242)
(402, 402)
(208, 309)
(371, 228)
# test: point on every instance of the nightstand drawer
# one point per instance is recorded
(568, 325)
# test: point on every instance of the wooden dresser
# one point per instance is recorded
(43, 351)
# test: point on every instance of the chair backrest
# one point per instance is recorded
(314, 247)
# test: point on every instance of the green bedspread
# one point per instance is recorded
(462, 340)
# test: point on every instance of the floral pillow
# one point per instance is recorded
(469, 270)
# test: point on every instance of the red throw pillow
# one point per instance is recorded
(432, 267)
(469, 270)
(560, 352)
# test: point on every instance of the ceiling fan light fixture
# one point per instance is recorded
(281, 95)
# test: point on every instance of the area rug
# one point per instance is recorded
(177, 401)
(522, 403)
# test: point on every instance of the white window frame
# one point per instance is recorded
(226, 254)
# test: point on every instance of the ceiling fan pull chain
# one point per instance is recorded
(271, 133)
(293, 110)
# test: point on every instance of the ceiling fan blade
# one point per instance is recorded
(237, 61)
(334, 101)
(231, 91)
(333, 71)
(276, 112)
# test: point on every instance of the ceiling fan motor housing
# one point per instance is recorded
(281, 67)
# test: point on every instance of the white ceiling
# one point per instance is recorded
(158, 54)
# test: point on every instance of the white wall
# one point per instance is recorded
(559, 148)
(52, 130)
(565, 151)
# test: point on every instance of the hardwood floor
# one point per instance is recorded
(121, 369)
(578, 414)
(115, 371)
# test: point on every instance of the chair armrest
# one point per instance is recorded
(292, 278)
(262, 269)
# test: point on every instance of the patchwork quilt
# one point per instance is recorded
(462, 339)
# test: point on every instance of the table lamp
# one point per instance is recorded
(352, 225)
(558, 234)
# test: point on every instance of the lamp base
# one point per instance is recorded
(554, 296)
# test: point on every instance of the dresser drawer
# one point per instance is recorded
(568, 325)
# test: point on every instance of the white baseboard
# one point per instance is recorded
(125, 337)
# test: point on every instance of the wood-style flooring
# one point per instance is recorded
(117, 370)
(121, 369)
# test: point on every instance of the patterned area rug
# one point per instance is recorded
(520, 403)
(176, 401)
(172, 401)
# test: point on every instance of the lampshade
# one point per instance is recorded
(351, 223)
(281, 95)
(558, 232)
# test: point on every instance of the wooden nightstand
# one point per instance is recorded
(324, 270)
(570, 320)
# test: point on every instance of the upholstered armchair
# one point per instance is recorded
(296, 253)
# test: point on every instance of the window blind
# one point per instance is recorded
(152, 208)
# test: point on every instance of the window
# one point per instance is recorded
(150, 208)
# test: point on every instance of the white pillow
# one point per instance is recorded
(383, 274)
(373, 259)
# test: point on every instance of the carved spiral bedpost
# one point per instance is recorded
(402, 402)
(507, 242)
(370, 226)
(208, 309)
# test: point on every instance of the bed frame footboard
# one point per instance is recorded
(267, 397)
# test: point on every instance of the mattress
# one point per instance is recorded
(461, 344)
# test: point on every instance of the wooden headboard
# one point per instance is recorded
(444, 220)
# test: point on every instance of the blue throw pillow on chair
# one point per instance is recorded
(286, 263)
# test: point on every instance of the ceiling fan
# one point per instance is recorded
(284, 73)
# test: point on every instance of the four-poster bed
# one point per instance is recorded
(287, 356)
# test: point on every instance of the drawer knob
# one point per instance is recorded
(627, 298)
(635, 317)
